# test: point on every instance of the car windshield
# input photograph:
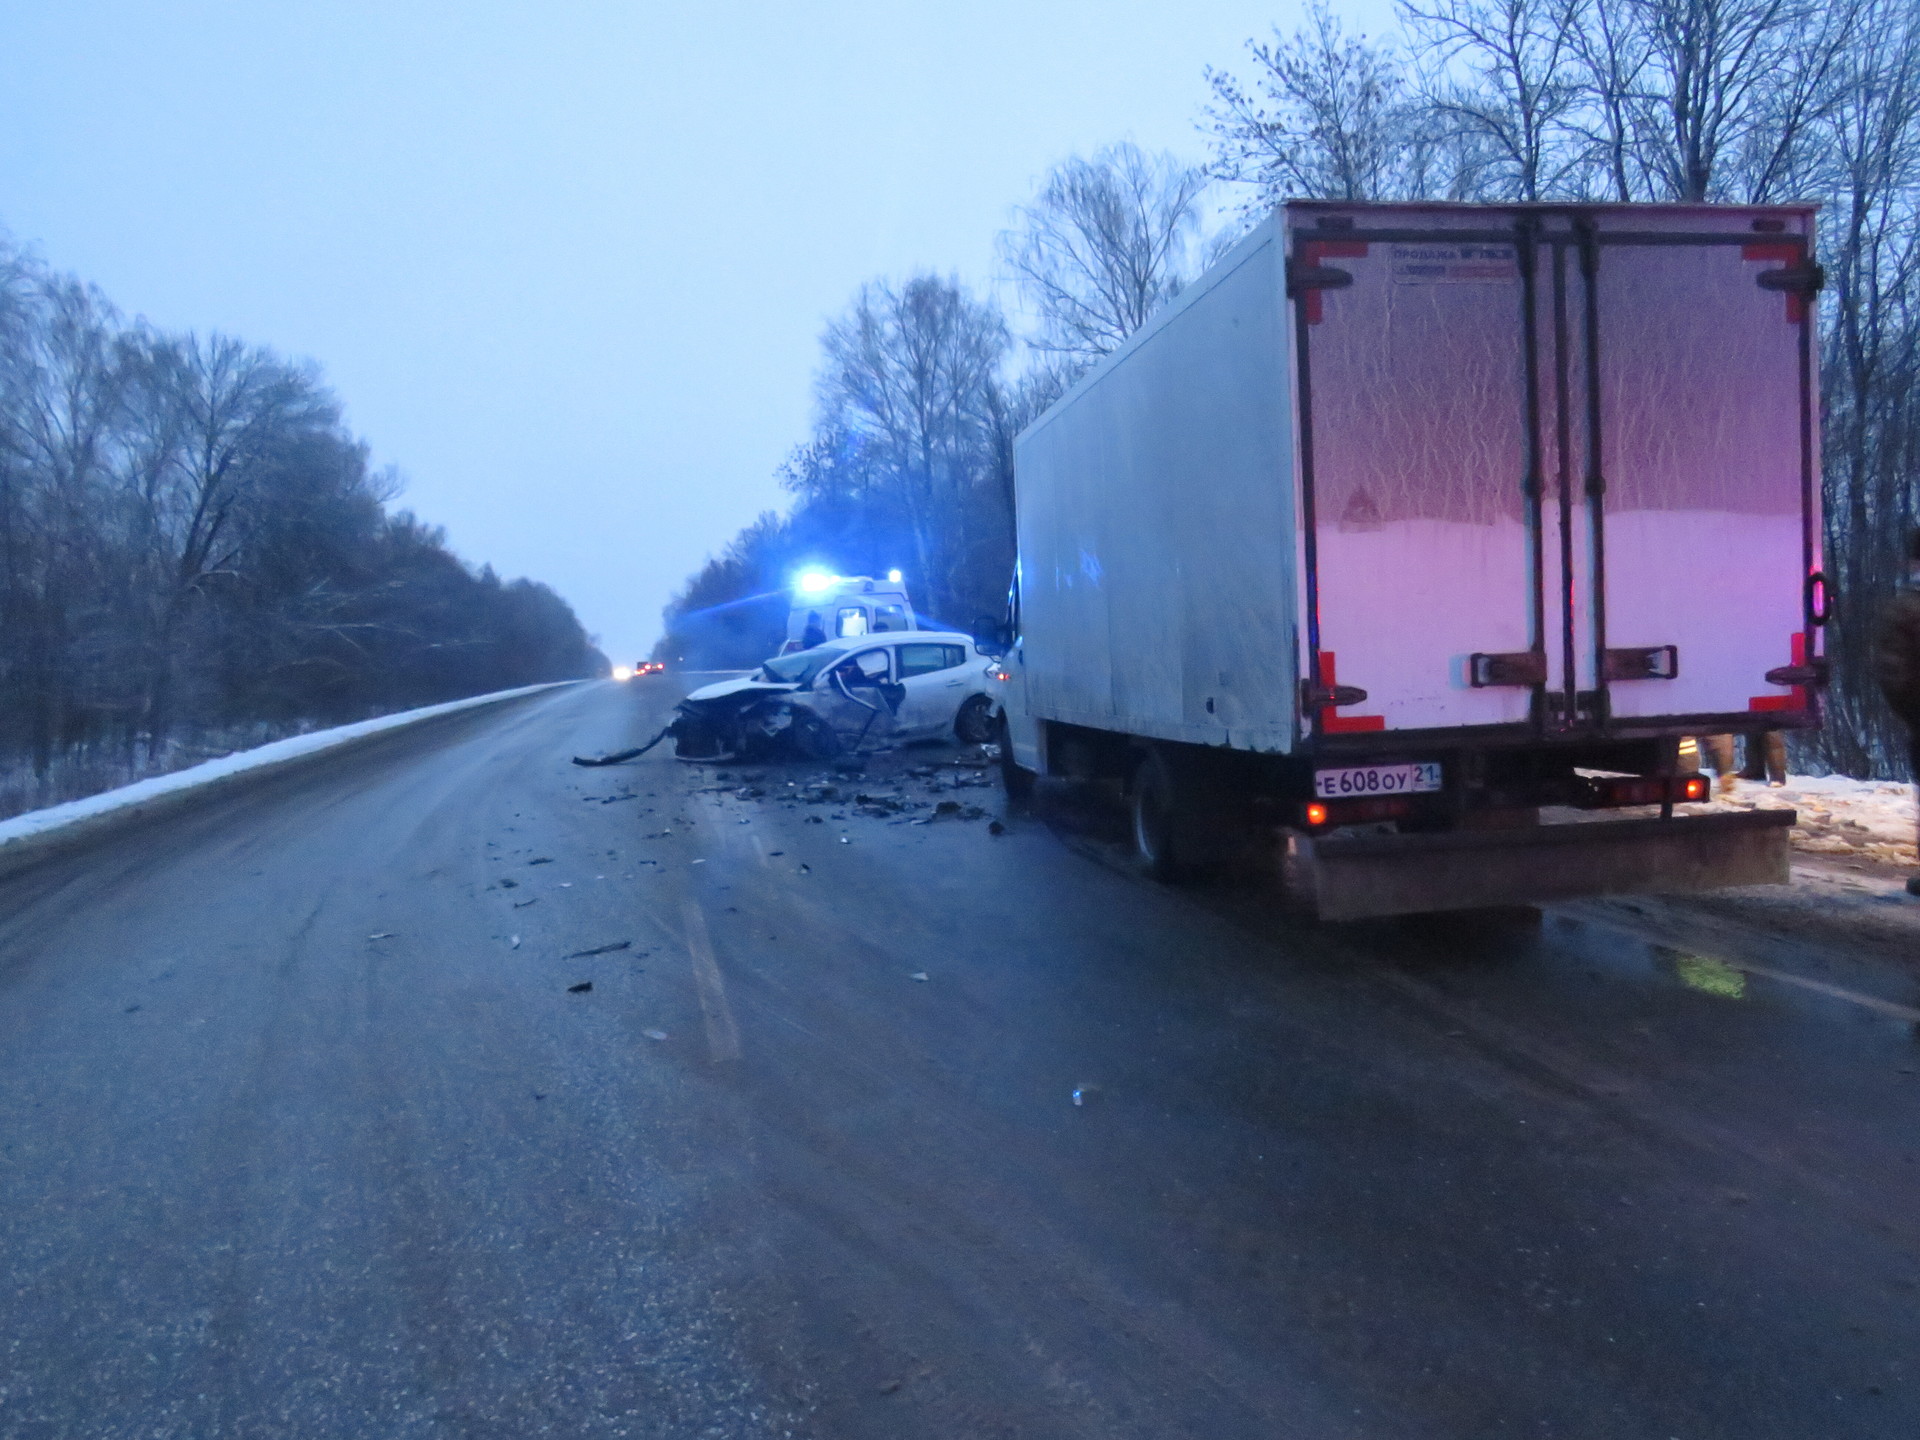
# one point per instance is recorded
(800, 667)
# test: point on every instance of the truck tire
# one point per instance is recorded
(1164, 829)
(1017, 782)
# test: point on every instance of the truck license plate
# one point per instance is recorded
(1377, 780)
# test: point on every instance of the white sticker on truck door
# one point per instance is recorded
(1453, 264)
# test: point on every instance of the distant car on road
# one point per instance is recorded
(918, 685)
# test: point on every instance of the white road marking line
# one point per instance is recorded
(1871, 1002)
(1651, 933)
(723, 1036)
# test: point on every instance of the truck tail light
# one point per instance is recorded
(1606, 792)
(1325, 814)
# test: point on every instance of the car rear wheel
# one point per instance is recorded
(974, 724)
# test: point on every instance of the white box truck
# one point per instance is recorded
(1425, 532)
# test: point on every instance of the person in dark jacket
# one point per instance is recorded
(1897, 662)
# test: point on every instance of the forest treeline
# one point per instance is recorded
(922, 384)
(195, 555)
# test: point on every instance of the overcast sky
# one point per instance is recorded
(567, 263)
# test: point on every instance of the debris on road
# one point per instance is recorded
(515, 945)
(602, 949)
(620, 757)
(506, 884)
(1085, 1094)
(522, 904)
(541, 860)
(382, 935)
(994, 827)
(654, 1034)
(918, 975)
(582, 988)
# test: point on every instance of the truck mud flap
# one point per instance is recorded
(1354, 877)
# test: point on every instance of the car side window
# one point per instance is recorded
(956, 655)
(925, 659)
(871, 665)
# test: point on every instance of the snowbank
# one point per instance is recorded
(1869, 819)
(36, 829)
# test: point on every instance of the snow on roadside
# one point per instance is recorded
(1864, 819)
(55, 817)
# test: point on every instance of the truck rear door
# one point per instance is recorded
(1556, 468)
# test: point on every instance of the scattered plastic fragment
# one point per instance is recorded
(522, 904)
(1085, 1094)
(130, 1009)
(918, 975)
(541, 860)
(581, 988)
(382, 935)
(700, 862)
(602, 949)
(994, 827)
(506, 884)
(654, 1034)
(771, 854)
(806, 869)
(516, 943)
(846, 840)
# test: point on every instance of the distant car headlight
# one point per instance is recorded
(621, 672)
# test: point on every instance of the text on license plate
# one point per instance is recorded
(1377, 780)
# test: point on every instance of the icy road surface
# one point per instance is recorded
(875, 1128)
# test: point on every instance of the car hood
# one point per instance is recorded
(725, 688)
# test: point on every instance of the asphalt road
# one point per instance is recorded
(308, 1131)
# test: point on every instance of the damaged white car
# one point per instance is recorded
(837, 697)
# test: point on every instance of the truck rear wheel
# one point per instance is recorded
(1178, 818)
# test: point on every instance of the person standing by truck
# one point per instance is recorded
(1897, 664)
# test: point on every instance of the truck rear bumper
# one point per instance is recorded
(1352, 877)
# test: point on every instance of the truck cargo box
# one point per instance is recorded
(1436, 518)
(1501, 471)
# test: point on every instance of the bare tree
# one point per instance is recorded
(1870, 137)
(1520, 90)
(1725, 80)
(1103, 245)
(911, 371)
(1327, 116)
